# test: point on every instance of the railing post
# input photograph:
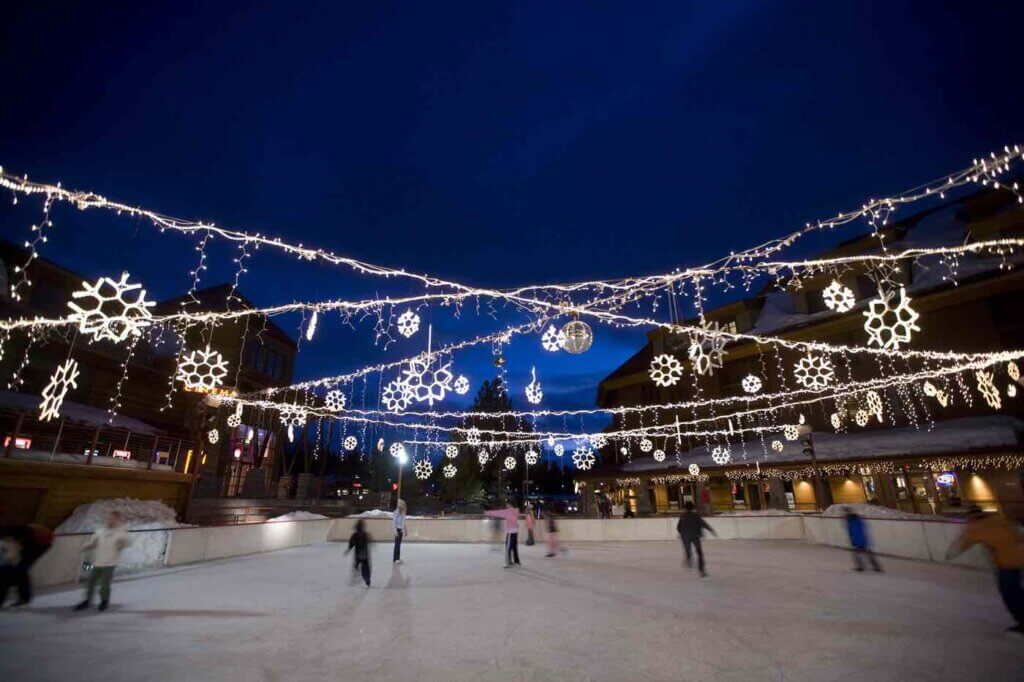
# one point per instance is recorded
(14, 436)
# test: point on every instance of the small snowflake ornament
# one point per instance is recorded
(553, 339)
(396, 449)
(988, 389)
(1013, 370)
(64, 379)
(707, 350)
(350, 443)
(532, 457)
(666, 370)
(659, 455)
(890, 320)
(694, 469)
(483, 457)
(396, 396)
(777, 445)
(202, 369)
(473, 436)
(720, 455)
(461, 385)
(791, 431)
(874, 404)
(813, 372)
(111, 309)
(861, 417)
(597, 440)
(451, 450)
(646, 445)
(583, 457)
(752, 383)
(510, 463)
(408, 323)
(334, 401)
(234, 420)
(559, 449)
(838, 297)
(449, 471)
(423, 469)
(213, 435)
(837, 421)
(534, 394)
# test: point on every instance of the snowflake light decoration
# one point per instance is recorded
(694, 469)
(707, 350)
(1013, 370)
(988, 389)
(791, 431)
(425, 384)
(837, 421)
(531, 457)
(583, 457)
(408, 323)
(874, 404)
(449, 471)
(396, 449)
(334, 401)
(234, 420)
(720, 455)
(659, 455)
(777, 445)
(202, 370)
(752, 383)
(350, 443)
(813, 371)
(461, 385)
(861, 417)
(933, 391)
(510, 463)
(666, 370)
(838, 297)
(64, 379)
(559, 449)
(451, 450)
(396, 396)
(597, 440)
(534, 393)
(292, 415)
(483, 456)
(423, 469)
(213, 435)
(890, 322)
(111, 310)
(553, 339)
(646, 445)
(473, 436)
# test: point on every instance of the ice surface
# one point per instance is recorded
(606, 611)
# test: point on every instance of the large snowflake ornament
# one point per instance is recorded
(583, 457)
(707, 350)
(473, 436)
(646, 445)
(890, 320)
(813, 371)
(293, 415)
(534, 393)
(202, 369)
(510, 463)
(449, 471)
(988, 389)
(751, 383)
(350, 443)
(63, 380)
(553, 339)
(461, 385)
(666, 370)
(396, 396)
(659, 455)
(531, 457)
(721, 455)
(334, 401)
(423, 469)
(838, 297)
(113, 309)
(451, 450)
(408, 323)
(425, 384)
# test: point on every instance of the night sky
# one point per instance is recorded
(492, 143)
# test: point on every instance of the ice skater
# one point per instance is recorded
(552, 535)
(511, 516)
(398, 523)
(24, 544)
(105, 546)
(691, 529)
(1004, 546)
(860, 540)
(360, 542)
(531, 521)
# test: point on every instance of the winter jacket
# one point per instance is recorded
(398, 521)
(511, 517)
(858, 531)
(998, 537)
(106, 545)
(691, 526)
(360, 541)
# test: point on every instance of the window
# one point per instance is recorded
(265, 360)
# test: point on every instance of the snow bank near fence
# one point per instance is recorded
(297, 516)
(874, 511)
(756, 512)
(373, 514)
(147, 549)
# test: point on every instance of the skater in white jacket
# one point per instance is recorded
(105, 546)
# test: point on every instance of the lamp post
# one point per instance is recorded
(402, 459)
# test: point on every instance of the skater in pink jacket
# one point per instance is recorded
(511, 516)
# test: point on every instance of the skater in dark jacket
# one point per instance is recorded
(691, 528)
(28, 543)
(360, 542)
(860, 541)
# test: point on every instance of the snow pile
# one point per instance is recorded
(147, 549)
(873, 511)
(297, 516)
(373, 514)
(756, 512)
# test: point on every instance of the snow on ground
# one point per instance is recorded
(297, 516)
(757, 512)
(875, 511)
(373, 514)
(606, 611)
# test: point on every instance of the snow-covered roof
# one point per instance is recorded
(952, 437)
(76, 412)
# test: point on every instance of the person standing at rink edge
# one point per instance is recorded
(398, 523)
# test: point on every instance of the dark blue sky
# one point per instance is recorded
(493, 143)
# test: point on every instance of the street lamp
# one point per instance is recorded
(402, 459)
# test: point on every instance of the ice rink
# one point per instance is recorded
(614, 611)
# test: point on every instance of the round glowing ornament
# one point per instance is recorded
(578, 337)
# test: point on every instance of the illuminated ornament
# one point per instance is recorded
(311, 327)
(838, 297)
(473, 436)
(396, 449)
(890, 324)
(720, 455)
(461, 385)
(988, 389)
(425, 384)
(932, 391)
(597, 440)
(510, 463)
(861, 417)
(350, 443)
(293, 415)
(248, 436)
(202, 369)
(423, 469)
(559, 449)
(380, 445)
(396, 396)
(777, 445)
(1013, 370)
(874, 404)
(836, 420)
(583, 457)
(752, 383)
(532, 457)
(291, 433)
(482, 457)
(553, 339)
(578, 337)
(451, 450)
(659, 455)
(813, 371)
(111, 310)
(213, 436)
(334, 401)
(1011, 390)
(534, 394)
(791, 431)
(707, 351)
(235, 420)
(551, 441)
(646, 445)
(666, 370)
(693, 469)
(408, 323)
(64, 379)
(449, 471)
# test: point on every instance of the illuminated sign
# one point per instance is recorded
(122, 454)
(216, 390)
(20, 442)
(945, 479)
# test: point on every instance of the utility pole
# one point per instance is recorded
(807, 438)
